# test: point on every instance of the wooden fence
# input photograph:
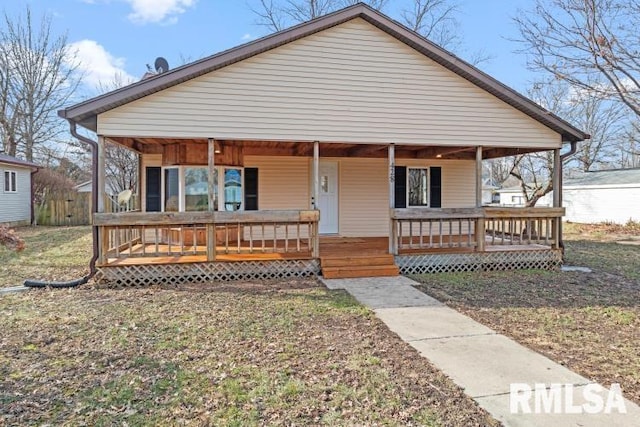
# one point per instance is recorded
(65, 209)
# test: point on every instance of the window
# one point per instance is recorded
(424, 185)
(232, 189)
(171, 190)
(186, 188)
(418, 187)
(10, 182)
(196, 189)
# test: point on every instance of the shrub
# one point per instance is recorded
(10, 239)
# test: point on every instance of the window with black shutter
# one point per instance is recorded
(251, 189)
(435, 186)
(418, 187)
(400, 175)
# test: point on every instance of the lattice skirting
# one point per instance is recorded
(480, 261)
(173, 274)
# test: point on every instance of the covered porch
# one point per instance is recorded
(140, 247)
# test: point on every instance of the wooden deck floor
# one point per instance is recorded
(330, 248)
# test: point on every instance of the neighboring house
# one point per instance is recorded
(603, 196)
(348, 145)
(513, 197)
(16, 198)
(488, 192)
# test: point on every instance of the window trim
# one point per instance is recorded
(408, 189)
(10, 181)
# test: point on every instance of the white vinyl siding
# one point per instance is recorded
(352, 83)
(15, 206)
(283, 182)
(364, 197)
(608, 203)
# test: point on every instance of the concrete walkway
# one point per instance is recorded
(13, 289)
(478, 359)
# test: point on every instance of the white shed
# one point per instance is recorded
(16, 206)
(603, 196)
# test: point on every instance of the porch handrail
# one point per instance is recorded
(484, 212)
(429, 228)
(144, 234)
(187, 218)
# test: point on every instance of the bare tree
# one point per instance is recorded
(121, 168)
(629, 147)
(591, 44)
(435, 20)
(534, 173)
(603, 119)
(37, 77)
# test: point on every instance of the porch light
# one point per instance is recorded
(438, 156)
(217, 148)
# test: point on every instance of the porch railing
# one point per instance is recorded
(214, 234)
(473, 228)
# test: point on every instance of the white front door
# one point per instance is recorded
(328, 197)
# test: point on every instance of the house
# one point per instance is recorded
(347, 146)
(489, 192)
(16, 198)
(512, 197)
(603, 196)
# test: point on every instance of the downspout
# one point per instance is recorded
(33, 215)
(94, 208)
(571, 152)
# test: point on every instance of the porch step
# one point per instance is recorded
(359, 271)
(358, 266)
(366, 260)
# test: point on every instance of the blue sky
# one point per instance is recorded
(124, 35)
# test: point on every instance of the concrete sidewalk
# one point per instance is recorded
(481, 361)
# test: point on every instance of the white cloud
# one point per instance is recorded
(247, 37)
(158, 11)
(100, 68)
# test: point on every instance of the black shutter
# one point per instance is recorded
(250, 189)
(435, 187)
(401, 186)
(153, 187)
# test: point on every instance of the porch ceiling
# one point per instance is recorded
(333, 149)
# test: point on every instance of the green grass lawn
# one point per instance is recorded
(51, 253)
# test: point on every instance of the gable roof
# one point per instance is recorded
(5, 158)
(605, 177)
(85, 113)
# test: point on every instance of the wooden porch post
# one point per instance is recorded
(103, 234)
(557, 196)
(211, 228)
(393, 247)
(316, 195)
(480, 226)
(141, 172)
(101, 173)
